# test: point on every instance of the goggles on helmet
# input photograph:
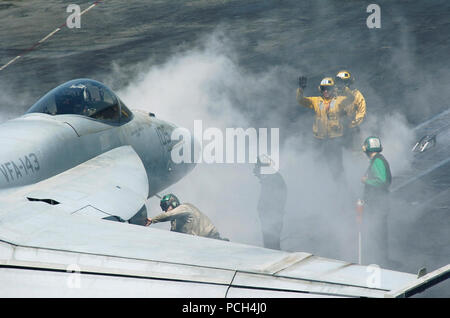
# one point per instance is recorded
(326, 88)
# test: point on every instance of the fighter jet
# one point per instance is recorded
(79, 160)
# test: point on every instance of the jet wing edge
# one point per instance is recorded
(422, 283)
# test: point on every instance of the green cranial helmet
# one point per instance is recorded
(169, 200)
(372, 144)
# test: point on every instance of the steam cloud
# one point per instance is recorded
(207, 83)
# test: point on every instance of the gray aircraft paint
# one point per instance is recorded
(37, 146)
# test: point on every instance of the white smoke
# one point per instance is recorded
(201, 84)
(396, 136)
(207, 83)
(190, 86)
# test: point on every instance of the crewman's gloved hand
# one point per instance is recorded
(302, 80)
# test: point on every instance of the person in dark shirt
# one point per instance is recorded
(271, 204)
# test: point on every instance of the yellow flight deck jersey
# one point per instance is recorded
(329, 113)
(356, 110)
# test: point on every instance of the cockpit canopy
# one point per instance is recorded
(84, 97)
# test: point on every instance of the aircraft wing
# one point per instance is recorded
(44, 253)
(111, 184)
(58, 245)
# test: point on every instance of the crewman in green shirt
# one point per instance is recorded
(376, 203)
(378, 176)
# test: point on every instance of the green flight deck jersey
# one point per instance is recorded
(379, 178)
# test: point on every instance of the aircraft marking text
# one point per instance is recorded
(16, 169)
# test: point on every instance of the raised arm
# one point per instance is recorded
(304, 101)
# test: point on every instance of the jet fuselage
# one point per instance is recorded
(39, 145)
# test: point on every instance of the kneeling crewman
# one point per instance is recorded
(185, 218)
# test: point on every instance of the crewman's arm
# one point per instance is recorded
(178, 212)
(346, 101)
(360, 104)
(379, 172)
(304, 101)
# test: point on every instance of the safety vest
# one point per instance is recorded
(357, 110)
(330, 114)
